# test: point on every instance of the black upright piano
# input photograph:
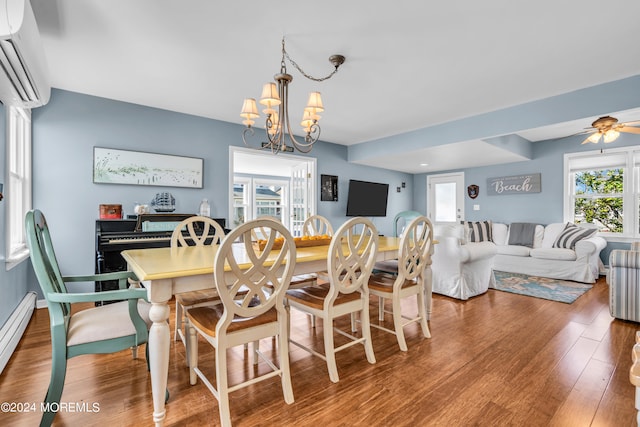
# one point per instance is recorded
(116, 235)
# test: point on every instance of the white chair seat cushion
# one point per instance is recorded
(104, 322)
(554, 253)
(515, 250)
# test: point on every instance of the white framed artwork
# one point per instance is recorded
(114, 166)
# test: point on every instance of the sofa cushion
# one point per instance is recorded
(514, 250)
(499, 233)
(537, 238)
(558, 254)
(478, 231)
(551, 233)
(572, 234)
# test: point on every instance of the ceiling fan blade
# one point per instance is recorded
(582, 132)
(629, 129)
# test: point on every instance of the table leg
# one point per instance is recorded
(159, 292)
(427, 275)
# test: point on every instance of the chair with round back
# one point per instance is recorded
(194, 231)
(252, 309)
(400, 221)
(414, 268)
(350, 261)
(317, 225)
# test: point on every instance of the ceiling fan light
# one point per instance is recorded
(594, 138)
(611, 135)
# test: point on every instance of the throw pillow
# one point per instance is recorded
(522, 234)
(478, 231)
(572, 234)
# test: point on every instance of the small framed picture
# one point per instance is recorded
(328, 188)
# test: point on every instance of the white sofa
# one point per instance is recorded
(459, 269)
(462, 269)
(581, 264)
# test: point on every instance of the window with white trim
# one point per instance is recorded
(18, 192)
(602, 189)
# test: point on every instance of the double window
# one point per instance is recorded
(18, 192)
(602, 189)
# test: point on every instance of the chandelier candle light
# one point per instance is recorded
(275, 97)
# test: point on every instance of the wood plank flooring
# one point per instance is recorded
(498, 359)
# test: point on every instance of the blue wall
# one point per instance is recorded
(70, 125)
(66, 130)
(544, 207)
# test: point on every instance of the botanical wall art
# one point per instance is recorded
(112, 166)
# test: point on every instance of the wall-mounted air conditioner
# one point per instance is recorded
(24, 79)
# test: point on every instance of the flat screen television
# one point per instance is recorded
(367, 198)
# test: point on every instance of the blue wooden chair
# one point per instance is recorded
(105, 329)
(402, 219)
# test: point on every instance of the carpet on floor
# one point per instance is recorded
(540, 287)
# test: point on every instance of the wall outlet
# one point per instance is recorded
(476, 207)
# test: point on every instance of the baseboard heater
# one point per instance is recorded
(13, 329)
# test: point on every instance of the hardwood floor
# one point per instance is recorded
(496, 360)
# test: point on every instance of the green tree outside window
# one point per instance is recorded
(599, 198)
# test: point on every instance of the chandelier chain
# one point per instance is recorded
(310, 77)
(295, 64)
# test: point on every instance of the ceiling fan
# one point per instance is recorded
(609, 129)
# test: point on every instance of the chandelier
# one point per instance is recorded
(275, 97)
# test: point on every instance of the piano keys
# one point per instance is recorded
(116, 235)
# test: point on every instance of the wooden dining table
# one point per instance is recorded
(168, 271)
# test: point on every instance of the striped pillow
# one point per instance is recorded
(478, 231)
(571, 235)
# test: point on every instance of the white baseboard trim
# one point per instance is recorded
(14, 327)
(41, 303)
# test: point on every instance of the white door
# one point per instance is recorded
(445, 198)
(301, 208)
(264, 184)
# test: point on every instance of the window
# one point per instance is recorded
(256, 197)
(602, 189)
(18, 192)
(241, 201)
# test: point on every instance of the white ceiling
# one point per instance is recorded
(409, 65)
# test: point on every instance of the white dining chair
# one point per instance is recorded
(194, 231)
(350, 261)
(413, 270)
(252, 309)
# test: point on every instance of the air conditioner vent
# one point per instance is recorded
(24, 80)
(14, 67)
